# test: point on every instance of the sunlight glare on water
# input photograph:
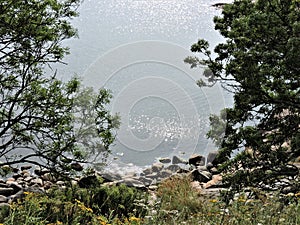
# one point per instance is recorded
(163, 111)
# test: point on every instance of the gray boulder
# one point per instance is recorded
(173, 168)
(200, 176)
(197, 160)
(157, 167)
(177, 160)
(130, 182)
(6, 191)
(164, 160)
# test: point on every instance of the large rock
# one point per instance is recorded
(197, 160)
(164, 160)
(215, 182)
(200, 176)
(147, 171)
(130, 182)
(26, 167)
(152, 176)
(109, 177)
(157, 167)
(25, 173)
(76, 166)
(15, 197)
(173, 168)
(165, 173)
(177, 160)
(211, 157)
(3, 198)
(6, 191)
(146, 181)
(37, 181)
(17, 187)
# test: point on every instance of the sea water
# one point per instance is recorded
(136, 49)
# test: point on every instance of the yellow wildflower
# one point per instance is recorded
(57, 223)
(242, 200)
(134, 219)
(213, 200)
(83, 207)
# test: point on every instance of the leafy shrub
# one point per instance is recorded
(94, 205)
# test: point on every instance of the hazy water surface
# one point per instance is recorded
(136, 48)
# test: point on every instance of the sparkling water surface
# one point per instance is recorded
(136, 48)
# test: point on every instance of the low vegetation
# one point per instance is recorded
(174, 202)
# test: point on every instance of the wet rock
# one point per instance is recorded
(152, 176)
(109, 177)
(146, 181)
(202, 168)
(147, 171)
(200, 176)
(34, 189)
(173, 168)
(131, 174)
(165, 173)
(6, 191)
(3, 198)
(27, 179)
(197, 160)
(37, 181)
(181, 170)
(130, 182)
(47, 185)
(60, 183)
(206, 173)
(25, 173)
(16, 186)
(38, 171)
(214, 170)
(209, 166)
(156, 167)
(177, 160)
(8, 182)
(48, 177)
(16, 176)
(153, 187)
(3, 185)
(77, 166)
(289, 189)
(164, 160)
(26, 167)
(15, 197)
(10, 179)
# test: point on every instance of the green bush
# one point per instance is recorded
(93, 205)
(178, 203)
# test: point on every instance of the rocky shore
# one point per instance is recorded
(205, 178)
